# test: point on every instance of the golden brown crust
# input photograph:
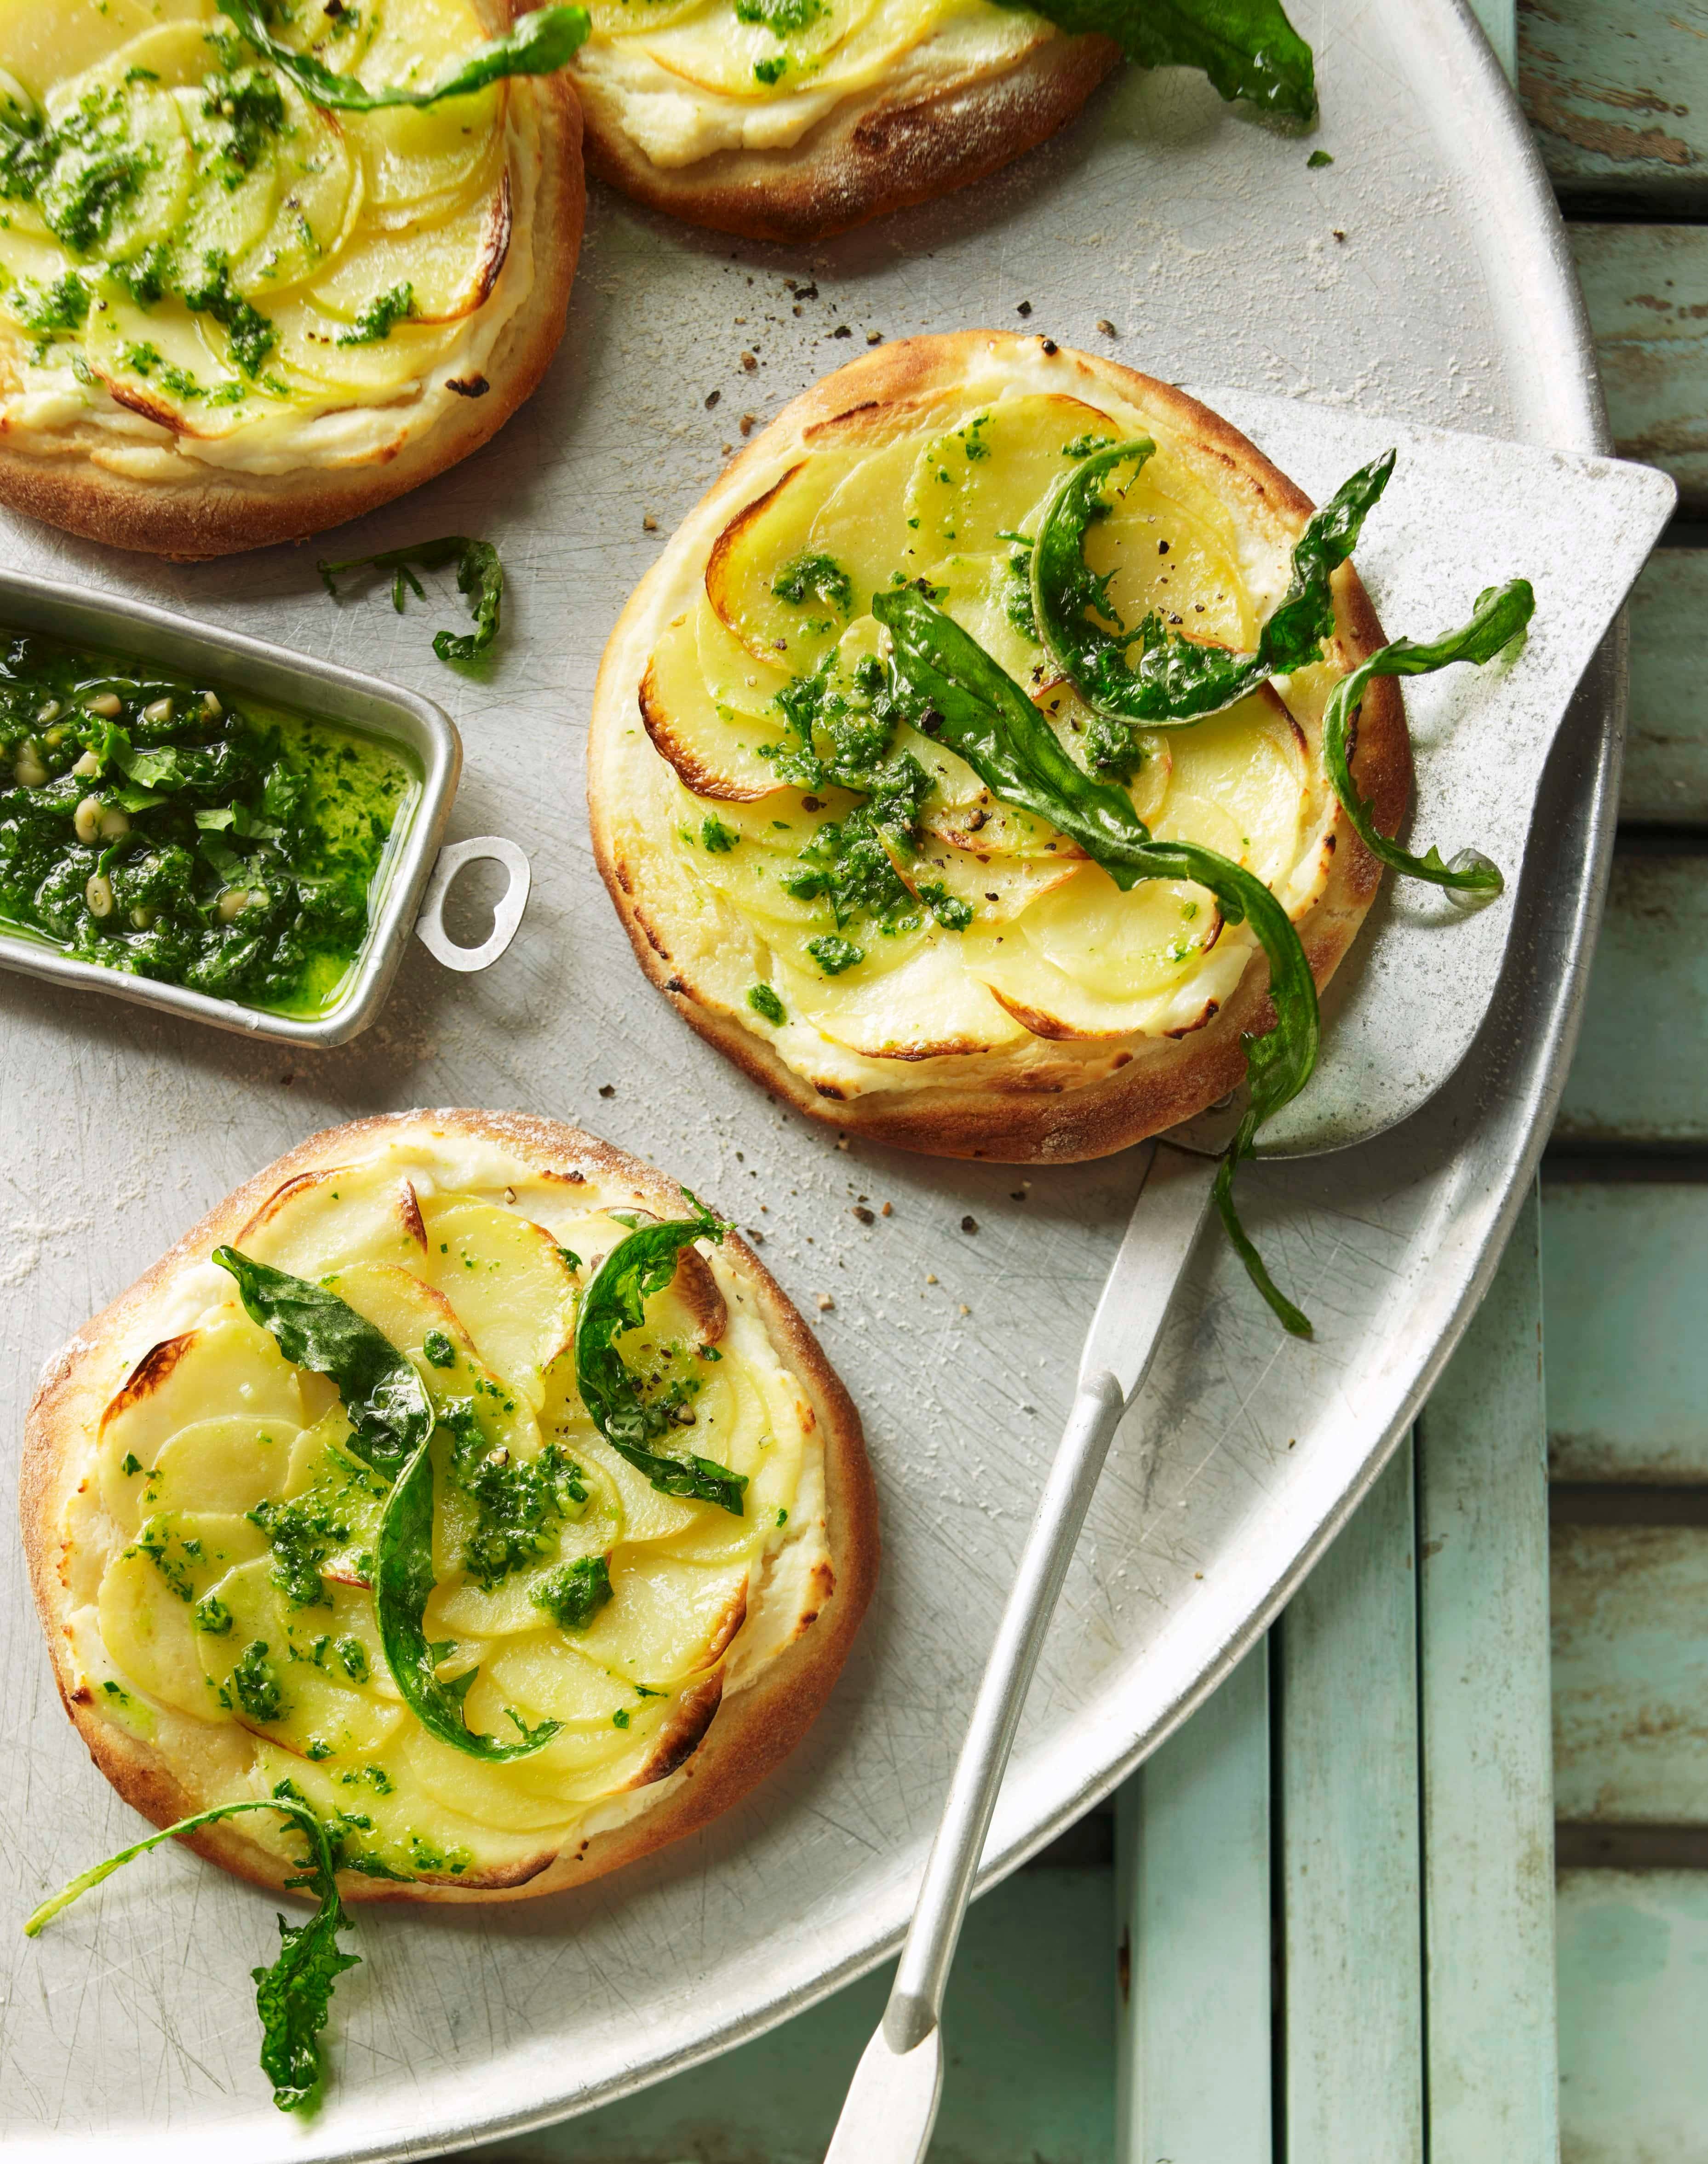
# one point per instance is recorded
(872, 155)
(220, 511)
(744, 1737)
(1040, 1119)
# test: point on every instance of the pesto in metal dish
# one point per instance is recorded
(155, 825)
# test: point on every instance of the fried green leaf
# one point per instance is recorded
(403, 1584)
(1248, 48)
(1173, 681)
(480, 579)
(537, 44)
(615, 1303)
(965, 700)
(1501, 615)
(389, 1413)
(294, 1995)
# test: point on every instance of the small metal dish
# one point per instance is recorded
(417, 874)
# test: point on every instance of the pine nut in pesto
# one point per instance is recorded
(189, 834)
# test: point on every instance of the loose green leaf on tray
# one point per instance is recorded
(613, 1304)
(389, 1413)
(1175, 681)
(964, 700)
(1248, 48)
(403, 1584)
(536, 44)
(1501, 615)
(293, 1996)
(480, 579)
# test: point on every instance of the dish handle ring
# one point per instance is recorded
(507, 914)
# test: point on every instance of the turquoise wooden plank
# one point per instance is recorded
(1647, 290)
(1352, 1899)
(1633, 1981)
(1029, 2024)
(1499, 19)
(1641, 1061)
(1631, 1673)
(1624, 1266)
(1193, 2041)
(1666, 746)
(1617, 92)
(1488, 1783)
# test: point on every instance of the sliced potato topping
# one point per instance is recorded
(237, 1587)
(878, 897)
(191, 234)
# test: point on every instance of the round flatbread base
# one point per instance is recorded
(870, 156)
(749, 1734)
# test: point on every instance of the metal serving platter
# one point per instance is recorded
(86, 615)
(1218, 258)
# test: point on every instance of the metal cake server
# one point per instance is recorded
(1462, 513)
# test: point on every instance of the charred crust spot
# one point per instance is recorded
(149, 1373)
(823, 1580)
(468, 387)
(683, 1731)
(1329, 845)
(829, 1090)
(1121, 1059)
(728, 1623)
(574, 1178)
(1211, 1008)
(839, 420)
(675, 984)
(280, 1195)
(409, 1209)
(137, 402)
(697, 1290)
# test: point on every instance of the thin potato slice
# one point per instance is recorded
(508, 1281)
(723, 51)
(1160, 553)
(761, 550)
(1240, 784)
(276, 1668)
(323, 1218)
(665, 1621)
(736, 681)
(447, 266)
(989, 476)
(718, 748)
(147, 1604)
(225, 1362)
(928, 1007)
(160, 363)
(229, 1464)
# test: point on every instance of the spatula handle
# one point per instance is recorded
(888, 2116)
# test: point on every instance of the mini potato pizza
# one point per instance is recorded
(258, 271)
(941, 769)
(459, 1482)
(790, 120)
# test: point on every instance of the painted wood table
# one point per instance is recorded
(1325, 1922)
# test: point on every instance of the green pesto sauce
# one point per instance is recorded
(208, 840)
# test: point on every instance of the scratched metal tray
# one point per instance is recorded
(1422, 276)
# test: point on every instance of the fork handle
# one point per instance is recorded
(916, 2001)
